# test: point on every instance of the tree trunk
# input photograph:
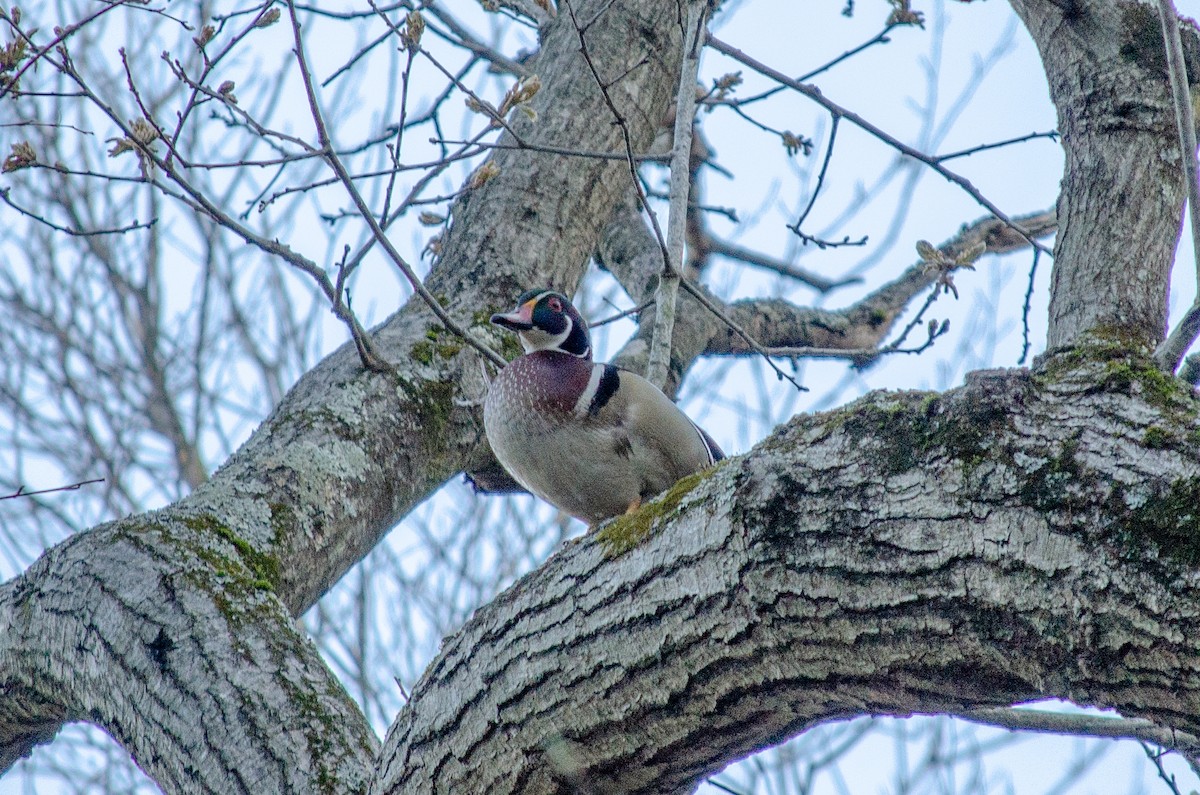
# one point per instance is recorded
(1123, 189)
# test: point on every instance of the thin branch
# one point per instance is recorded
(712, 782)
(659, 361)
(623, 314)
(630, 159)
(56, 125)
(395, 148)
(469, 150)
(60, 37)
(478, 103)
(20, 492)
(724, 248)
(196, 199)
(754, 344)
(812, 200)
(555, 150)
(197, 85)
(687, 285)
(1089, 725)
(365, 211)
(362, 52)
(469, 42)
(1025, 306)
(4, 197)
(879, 38)
(1155, 756)
(1051, 134)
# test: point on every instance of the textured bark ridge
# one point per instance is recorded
(1027, 535)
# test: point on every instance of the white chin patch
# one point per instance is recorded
(537, 340)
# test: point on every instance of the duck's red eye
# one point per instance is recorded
(555, 304)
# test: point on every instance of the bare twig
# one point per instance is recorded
(198, 84)
(816, 96)
(688, 286)
(714, 245)
(630, 158)
(61, 35)
(555, 150)
(1089, 725)
(623, 314)
(1025, 306)
(1155, 756)
(395, 148)
(4, 197)
(20, 492)
(812, 200)
(331, 157)
(712, 782)
(196, 199)
(879, 38)
(1051, 134)
(466, 40)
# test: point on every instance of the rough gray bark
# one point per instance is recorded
(1115, 116)
(1023, 536)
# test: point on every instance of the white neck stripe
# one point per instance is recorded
(589, 393)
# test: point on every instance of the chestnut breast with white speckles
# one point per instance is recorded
(557, 452)
(543, 382)
(529, 404)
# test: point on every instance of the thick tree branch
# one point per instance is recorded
(1020, 537)
(164, 630)
(629, 251)
(858, 331)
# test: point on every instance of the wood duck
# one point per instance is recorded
(591, 439)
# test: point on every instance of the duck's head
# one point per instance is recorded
(547, 321)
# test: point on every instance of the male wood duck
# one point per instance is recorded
(591, 439)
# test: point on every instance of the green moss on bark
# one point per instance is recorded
(1170, 521)
(265, 568)
(624, 533)
(906, 430)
